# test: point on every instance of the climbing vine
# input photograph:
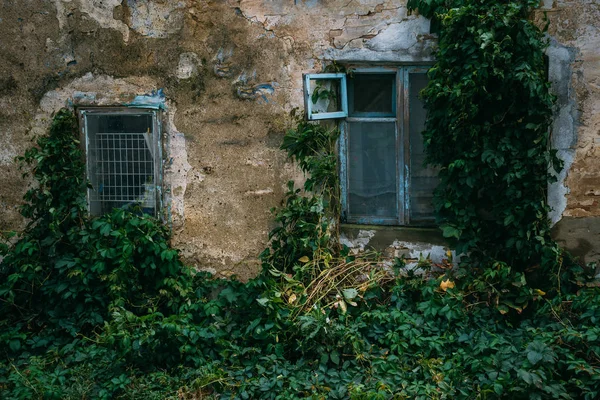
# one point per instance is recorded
(307, 223)
(489, 111)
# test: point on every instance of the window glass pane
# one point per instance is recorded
(325, 95)
(372, 94)
(120, 162)
(423, 180)
(372, 169)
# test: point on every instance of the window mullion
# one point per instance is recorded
(343, 169)
(157, 160)
(87, 153)
(406, 143)
(400, 134)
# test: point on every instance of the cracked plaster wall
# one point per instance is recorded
(574, 70)
(230, 72)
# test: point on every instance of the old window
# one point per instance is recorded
(382, 175)
(123, 159)
(325, 96)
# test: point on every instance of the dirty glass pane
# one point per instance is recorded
(372, 169)
(120, 158)
(372, 95)
(325, 95)
(423, 180)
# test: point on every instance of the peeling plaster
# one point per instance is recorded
(102, 90)
(358, 31)
(260, 192)
(411, 251)
(176, 173)
(155, 100)
(400, 36)
(100, 11)
(422, 250)
(156, 19)
(188, 65)
(564, 129)
(7, 154)
(360, 242)
(227, 166)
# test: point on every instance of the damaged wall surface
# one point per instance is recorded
(226, 75)
(574, 56)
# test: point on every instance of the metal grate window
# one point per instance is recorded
(122, 160)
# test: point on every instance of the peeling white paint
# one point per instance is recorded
(188, 65)
(176, 172)
(260, 192)
(360, 242)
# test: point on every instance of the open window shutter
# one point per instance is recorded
(323, 95)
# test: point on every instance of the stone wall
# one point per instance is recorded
(227, 74)
(574, 54)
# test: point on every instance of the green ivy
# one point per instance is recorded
(307, 222)
(489, 111)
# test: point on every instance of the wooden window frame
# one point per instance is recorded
(308, 104)
(403, 156)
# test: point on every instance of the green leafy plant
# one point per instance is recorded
(307, 226)
(489, 112)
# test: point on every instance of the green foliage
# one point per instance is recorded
(312, 146)
(303, 230)
(306, 222)
(67, 266)
(489, 111)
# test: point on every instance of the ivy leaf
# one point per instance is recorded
(538, 351)
(335, 357)
(15, 345)
(262, 301)
(229, 294)
(450, 231)
(526, 376)
(350, 293)
(324, 358)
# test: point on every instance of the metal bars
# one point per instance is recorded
(122, 149)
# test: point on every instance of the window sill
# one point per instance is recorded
(383, 236)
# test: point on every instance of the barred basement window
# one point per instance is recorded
(123, 159)
(382, 176)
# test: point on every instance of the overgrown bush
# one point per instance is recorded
(489, 112)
